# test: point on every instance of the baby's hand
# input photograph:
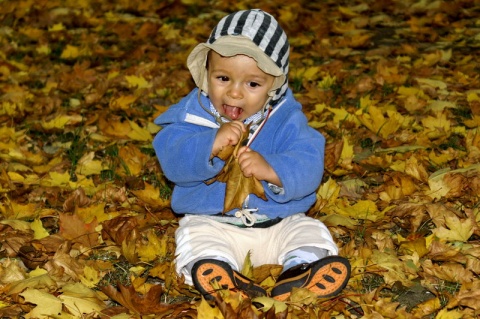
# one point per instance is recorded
(254, 164)
(228, 134)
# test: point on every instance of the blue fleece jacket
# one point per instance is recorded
(294, 150)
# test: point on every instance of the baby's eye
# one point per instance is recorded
(254, 84)
(223, 78)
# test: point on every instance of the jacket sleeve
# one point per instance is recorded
(297, 158)
(183, 151)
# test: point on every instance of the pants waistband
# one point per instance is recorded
(264, 221)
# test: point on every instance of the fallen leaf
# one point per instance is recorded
(47, 305)
(74, 228)
(455, 230)
(136, 303)
(238, 186)
(80, 300)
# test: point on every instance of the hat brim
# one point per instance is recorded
(228, 46)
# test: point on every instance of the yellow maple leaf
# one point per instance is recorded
(445, 313)
(333, 219)
(394, 266)
(329, 190)
(439, 106)
(154, 248)
(86, 183)
(433, 83)
(60, 121)
(205, 311)
(473, 123)
(409, 246)
(57, 179)
(41, 281)
(311, 73)
(346, 158)
(456, 229)
(347, 12)
(141, 285)
(327, 82)
(91, 277)
(247, 269)
(138, 133)
(14, 210)
(363, 209)
(96, 211)
(79, 299)
(341, 115)
(442, 157)
(24, 155)
(47, 305)
(56, 27)
(88, 166)
(133, 159)
(269, 303)
(416, 169)
(122, 103)
(472, 96)
(70, 52)
(37, 272)
(38, 229)
(378, 123)
(137, 81)
(436, 126)
(151, 196)
(438, 188)
(43, 49)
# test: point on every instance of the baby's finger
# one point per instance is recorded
(243, 149)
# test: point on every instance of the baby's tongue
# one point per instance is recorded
(232, 112)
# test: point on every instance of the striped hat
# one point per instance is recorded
(254, 33)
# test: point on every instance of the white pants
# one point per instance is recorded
(199, 237)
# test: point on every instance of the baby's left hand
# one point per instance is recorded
(254, 164)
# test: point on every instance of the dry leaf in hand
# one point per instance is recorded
(238, 186)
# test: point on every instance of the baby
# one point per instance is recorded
(241, 74)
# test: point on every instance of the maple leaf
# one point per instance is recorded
(458, 229)
(238, 186)
(468, 296)
(74, 228)
(79, 299)
(139, 304)
(47, 304)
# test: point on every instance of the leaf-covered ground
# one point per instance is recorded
(86, 228)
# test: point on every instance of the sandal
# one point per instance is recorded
(325, 277)
(206, 271)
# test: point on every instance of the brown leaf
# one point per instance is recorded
(136, 303)
(72, 227)
(225, 308)
(332, 154)
(77, 199)
(468, 296)
(118, 228)
(238, 186)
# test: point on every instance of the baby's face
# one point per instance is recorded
(236, 86)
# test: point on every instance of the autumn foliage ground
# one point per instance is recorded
(86, 229)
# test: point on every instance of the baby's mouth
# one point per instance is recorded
(232, 112)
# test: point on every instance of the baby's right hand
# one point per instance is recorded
(228, 134)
